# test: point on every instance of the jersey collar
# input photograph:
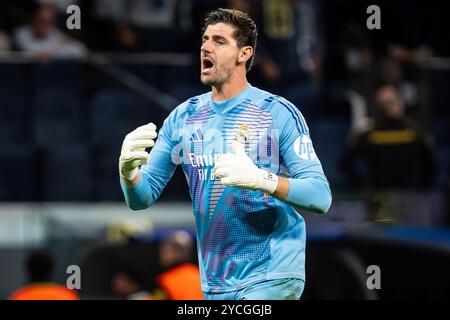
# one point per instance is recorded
(223, 107)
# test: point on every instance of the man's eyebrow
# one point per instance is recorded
(217, 37)
(214, 37)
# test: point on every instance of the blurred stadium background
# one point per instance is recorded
(68, 97)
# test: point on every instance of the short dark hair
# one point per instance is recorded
(39, 265)
(245, 34)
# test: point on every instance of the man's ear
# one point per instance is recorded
(245, 54)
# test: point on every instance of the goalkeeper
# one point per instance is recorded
(249, 163)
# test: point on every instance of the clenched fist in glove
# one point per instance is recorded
(238, 170)
(133, 152)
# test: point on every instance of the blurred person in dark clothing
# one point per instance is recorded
(293, 39)
(292, 50)
(407, 77)
(290, 44)
(179, 279)
(127, 284)
(39, 268)
(397, 153)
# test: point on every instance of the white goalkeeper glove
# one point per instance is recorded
(238, 170)
(133, 152)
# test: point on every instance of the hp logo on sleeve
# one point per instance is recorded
(303, 148)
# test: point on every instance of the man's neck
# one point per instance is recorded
(229, 89)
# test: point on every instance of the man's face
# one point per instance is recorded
(44, 21)
(123, 285)
(390, 103)
(219, 54)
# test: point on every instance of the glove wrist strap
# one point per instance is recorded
(268, 181)
(129, 175)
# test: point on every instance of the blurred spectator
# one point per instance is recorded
(43, 40)
(39, 268)
(397, 153)
(292, 41)
(139, 24)
(127, 38)
(127, 284)
(61, 5)
(392, 71)
(353, 61)
(5, 44)
(179, 279)
(143, 13)
(129, 231)
(290, 49)
(14, 13)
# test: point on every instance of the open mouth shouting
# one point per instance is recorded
(207, 65)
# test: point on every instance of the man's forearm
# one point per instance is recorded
(145, 188)
(136, 192)
(311, 194)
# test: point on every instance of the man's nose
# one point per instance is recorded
(205, 48)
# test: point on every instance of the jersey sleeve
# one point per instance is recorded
(309, 187)
(157, 172)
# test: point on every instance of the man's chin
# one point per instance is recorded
(207, 81)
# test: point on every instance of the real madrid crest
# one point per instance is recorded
(242, 134)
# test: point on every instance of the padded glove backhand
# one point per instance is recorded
(133, 152)
(238, 170)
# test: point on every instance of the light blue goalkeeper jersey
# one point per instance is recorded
(243, 236)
